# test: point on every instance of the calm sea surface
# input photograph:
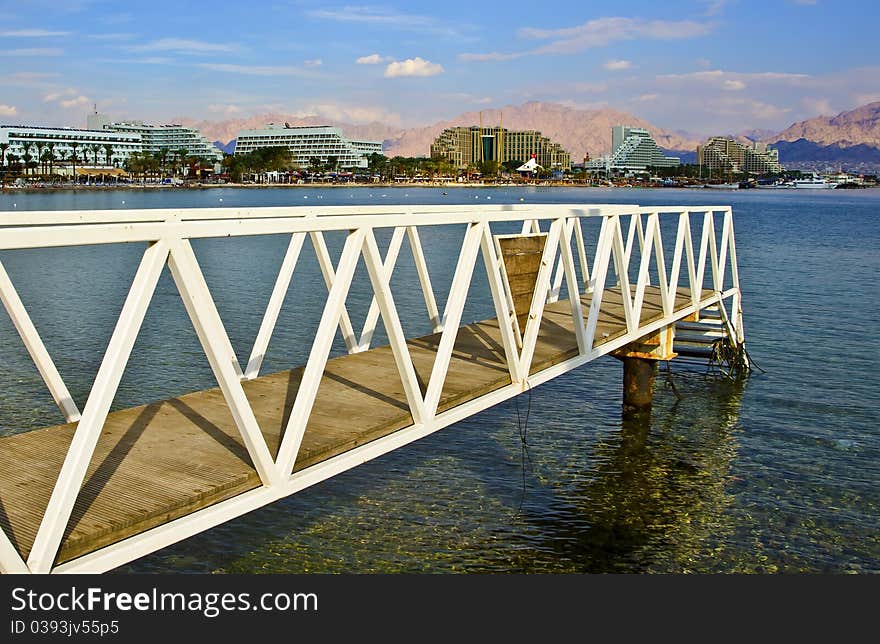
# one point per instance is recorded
(780, 473)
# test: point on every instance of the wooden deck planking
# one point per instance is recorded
(161, 461)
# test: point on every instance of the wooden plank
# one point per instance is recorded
(161, 461)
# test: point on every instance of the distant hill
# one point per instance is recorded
(686, 156)
(850, 139)
(581, 131)
(847, 129)
(803, 150)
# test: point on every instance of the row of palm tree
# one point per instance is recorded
(41, 157)
(163, 163)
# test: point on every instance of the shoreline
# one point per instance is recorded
(330, 185)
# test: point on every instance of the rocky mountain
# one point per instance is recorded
(581, 131)
(803, 150)
(858, 126)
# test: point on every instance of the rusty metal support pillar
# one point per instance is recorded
(638, 384)
(640, 360)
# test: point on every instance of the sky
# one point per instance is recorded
(698, 66)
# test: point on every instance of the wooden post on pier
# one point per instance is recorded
(640, 360)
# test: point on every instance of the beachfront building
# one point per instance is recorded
(61, 149)
(309, 142)
(730, 156)
(632, 149)
(470, 146)
(156, 139)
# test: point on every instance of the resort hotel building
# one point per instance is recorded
(730, 156)
(155, 139)
(57, 146)
(469, 146)
(309, 142)
(632, 148)
(101, 145)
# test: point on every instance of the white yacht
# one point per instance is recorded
(815, 183)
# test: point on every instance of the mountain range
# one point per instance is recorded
(851, 137)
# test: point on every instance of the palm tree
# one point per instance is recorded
(50, 149)
(181, 153)
(108, 154)
(39, 147)
(73, 146)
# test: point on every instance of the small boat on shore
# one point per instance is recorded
(722, 186)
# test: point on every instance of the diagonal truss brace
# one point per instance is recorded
(35, 347)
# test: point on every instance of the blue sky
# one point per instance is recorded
(701, 66)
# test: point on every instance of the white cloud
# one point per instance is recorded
(385, 18)
(225, 110)
(603, 31)
(75, 102)
(372, 59)
(315, 62)
(714, 7)
(412, 67)
(33, 51)
(617, 65)
(184, 46)
(357, 114)
(864, 99)
(493, 55)
(59, 94)
(32, 33)
(8, 110)
(733, 85)
(112, 36)
(258, 70)
(819, 106)
(647, 98)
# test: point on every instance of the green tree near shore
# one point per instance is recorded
(275, 159)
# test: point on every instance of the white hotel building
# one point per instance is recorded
(156, 138)
(111, 148)
(633, 148)
(308, 142)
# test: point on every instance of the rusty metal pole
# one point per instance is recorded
(638, 384)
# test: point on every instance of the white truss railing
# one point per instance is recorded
(167, 235)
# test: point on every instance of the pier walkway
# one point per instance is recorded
(108, 487)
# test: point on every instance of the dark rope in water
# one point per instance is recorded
(523, 429)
